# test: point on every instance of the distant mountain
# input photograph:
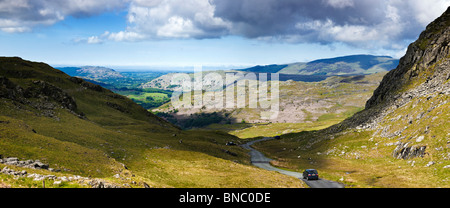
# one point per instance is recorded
(265, 69)
(92, 72)
(314, 71)
(346, 65)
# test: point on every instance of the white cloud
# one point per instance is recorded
(167, 19)
(94, 40)
(374, 25)
(15, 29)
(340, 3)
(125, 36)
(147, 3)
(27, 14)
(362, 23)
(427, 11)
(402, 21)
(8, 5)
(177, 27)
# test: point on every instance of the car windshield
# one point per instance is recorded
(312, 171)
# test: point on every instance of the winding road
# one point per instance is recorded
(258, 159)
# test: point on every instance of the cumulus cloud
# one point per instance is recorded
(356, 22)
(24, 15)
(339, 3)
(124, 36)
(364, 23)
(162, 19)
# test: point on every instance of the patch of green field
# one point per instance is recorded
(149, 96)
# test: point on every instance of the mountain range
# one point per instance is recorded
(345, 65)
(92, 72)
(314, 71)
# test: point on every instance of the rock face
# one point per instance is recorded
(403, 106)
(423, 71)
(48, 92)
(403, 151)
(41, 95)
(92, 182)
(35, 164)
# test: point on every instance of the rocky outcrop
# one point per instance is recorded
(422, 74)
(93, 183)
(35, 164)
(9, 171)
(404, 151)
(10, 90)
(423, 71)
(87, 85)
(40, 95)
(48, 92)
(117, 107)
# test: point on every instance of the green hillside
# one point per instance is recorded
(83, 129)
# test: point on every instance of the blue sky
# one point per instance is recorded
(152, 34)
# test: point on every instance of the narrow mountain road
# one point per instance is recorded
(258, 159)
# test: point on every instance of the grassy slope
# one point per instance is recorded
(247, 131)
(364, 158)
(98, 145)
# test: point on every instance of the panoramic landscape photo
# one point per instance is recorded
(224, 94)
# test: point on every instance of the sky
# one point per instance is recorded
(159, 34)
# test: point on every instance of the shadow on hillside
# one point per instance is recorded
(197, 120)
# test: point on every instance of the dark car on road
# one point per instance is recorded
(231, 144)
(310, 174)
